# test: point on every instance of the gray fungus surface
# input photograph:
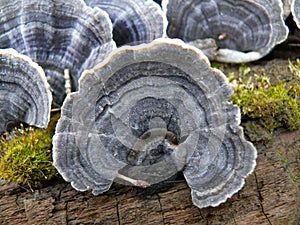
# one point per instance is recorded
(142, 116)
(243, 30)
(134, 22)
(58, 35)
(24, 92)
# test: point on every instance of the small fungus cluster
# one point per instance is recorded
(143, 104)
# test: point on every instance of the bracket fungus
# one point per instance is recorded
(134, 22)
(243, 30)
(147, 112)
(287, 4)
(24, 92)
(58, 35)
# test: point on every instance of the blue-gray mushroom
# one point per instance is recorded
(57, 34)
(147, 112)
(243, 30)
(286, 5)
(295, 8)
(134, 22)
(24, 92)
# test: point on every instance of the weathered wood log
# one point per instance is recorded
(270, 196)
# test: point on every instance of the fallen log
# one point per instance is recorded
(270, 196)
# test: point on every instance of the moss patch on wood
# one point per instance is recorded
(267, 102)
(25, 155)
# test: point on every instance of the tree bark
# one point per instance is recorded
(270, 196)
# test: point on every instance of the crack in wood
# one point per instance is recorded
(60, 190)
(21, 208)
(161, 208)
(205, 219)
(67, 214)
(260, 198)
(117, 209)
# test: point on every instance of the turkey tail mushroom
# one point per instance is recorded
(243, 30)
(24, 92)
(58, 35)
(287, 4)
(147, 112)
(134, 22)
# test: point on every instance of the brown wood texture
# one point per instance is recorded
(270, 196)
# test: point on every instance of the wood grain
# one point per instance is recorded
(270, 196)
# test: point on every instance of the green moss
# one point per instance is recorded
(265, 106)
(26, 159)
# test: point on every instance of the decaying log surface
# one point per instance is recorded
(270, 196)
